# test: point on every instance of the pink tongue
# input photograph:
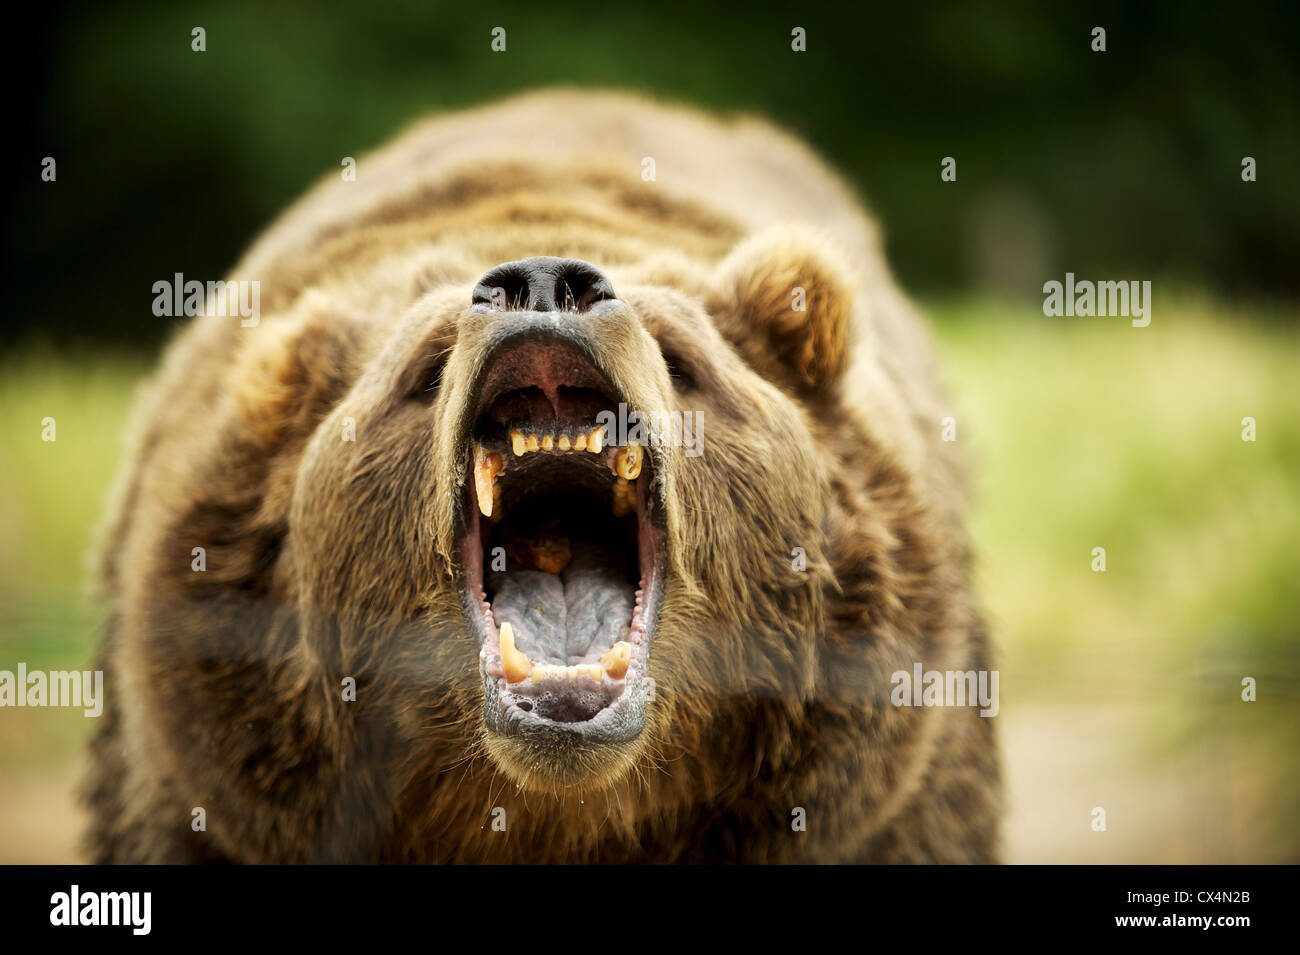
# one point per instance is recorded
(570, 617)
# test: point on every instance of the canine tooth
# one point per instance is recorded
(628, 461)
(533, 444)
(580, 443)
(564, 442)
(596, 440)
(518, 443)
(624, 497)
(616, 660)
(487, 465)
(548, 442)
(514, 662)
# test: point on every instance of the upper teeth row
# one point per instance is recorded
(592, 441)
(488, 464)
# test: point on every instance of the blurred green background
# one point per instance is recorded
(1119, 689)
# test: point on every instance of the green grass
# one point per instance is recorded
(52, 493)
(1091, 433)
(52, 498)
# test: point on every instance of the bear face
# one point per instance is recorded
(441, 556)
(470, 447)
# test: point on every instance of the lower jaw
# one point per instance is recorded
(590, 713)
(594, 734)
(547, 756)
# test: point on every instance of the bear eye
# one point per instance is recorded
(427, 378)
(678, 370)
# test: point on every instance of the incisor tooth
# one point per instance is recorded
(548, 442)
(514, 662)
(616, 659)
(596, 440)
(593, 670)
(533, 444)
(564, 442)
(628, 461)
(580, 443)
(518, 443)
(487, 465)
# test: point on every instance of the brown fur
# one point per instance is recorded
(328, 558)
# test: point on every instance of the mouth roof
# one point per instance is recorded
(563, 553)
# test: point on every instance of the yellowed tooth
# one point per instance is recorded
(564, 442)
(624, 497)
(593, 670)
(580, 443)
(533, 444)
(539, 672)
(487, 465)
(596, 440)
(548, 442)
(628, 461)
(514, 662)
(616, 659)
(517, 443)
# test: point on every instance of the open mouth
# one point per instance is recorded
(563, 548)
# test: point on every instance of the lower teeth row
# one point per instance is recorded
(517, 667)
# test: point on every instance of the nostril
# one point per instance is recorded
(505, 287)
(543, 284)
(580, 286)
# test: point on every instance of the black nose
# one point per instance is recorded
(544, 284)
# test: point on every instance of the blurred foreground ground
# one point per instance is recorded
(1118, 689)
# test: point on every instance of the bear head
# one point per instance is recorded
(560, 516)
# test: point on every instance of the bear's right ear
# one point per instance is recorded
(290, 371)
(784, 299)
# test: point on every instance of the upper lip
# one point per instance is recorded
(543, 327)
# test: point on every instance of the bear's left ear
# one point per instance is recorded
(784, 299)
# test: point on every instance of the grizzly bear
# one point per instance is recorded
(576, 494)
